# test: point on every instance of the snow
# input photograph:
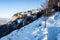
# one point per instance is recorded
(19, 20)
(31, 31)
(36, 30)
(58, 36)
(54, 27)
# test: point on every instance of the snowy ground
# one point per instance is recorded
(36, 30)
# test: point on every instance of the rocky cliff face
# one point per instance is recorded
(25, 13)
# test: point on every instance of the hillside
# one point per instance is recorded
(36, 31)
(33, 25)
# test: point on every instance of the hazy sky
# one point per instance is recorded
(9, 7)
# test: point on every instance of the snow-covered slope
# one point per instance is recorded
(28, 32)
(36, 30)
(53, 25)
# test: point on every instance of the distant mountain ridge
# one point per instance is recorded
(3, 20)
